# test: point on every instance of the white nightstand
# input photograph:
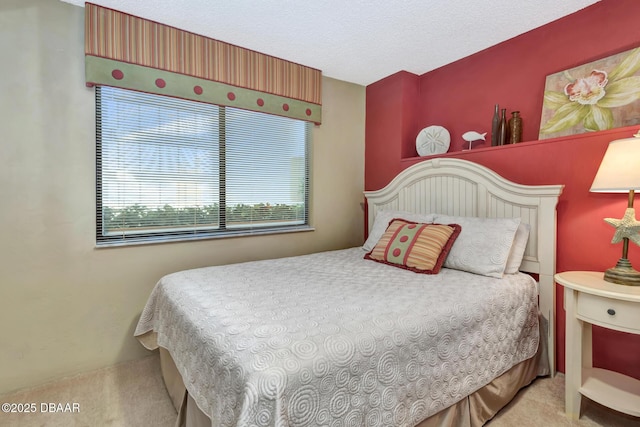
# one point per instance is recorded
(589, 300)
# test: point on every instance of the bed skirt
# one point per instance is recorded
(473, 411)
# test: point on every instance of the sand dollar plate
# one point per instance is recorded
(433, 140)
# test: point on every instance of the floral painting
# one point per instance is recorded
(603, 94)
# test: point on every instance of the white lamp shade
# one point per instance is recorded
(619, 170)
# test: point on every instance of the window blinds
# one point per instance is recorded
(171, 168)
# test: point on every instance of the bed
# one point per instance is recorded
(343, 339)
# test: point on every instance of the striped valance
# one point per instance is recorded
(130, 52)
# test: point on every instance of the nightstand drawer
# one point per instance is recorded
(608, 312)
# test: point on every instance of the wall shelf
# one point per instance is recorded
(615, 134)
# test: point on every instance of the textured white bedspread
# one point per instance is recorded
(332, 339)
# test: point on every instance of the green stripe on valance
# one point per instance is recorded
(108, 72)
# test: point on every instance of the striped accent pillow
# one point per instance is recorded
(415, 246)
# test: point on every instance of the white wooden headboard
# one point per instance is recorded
(463, 188)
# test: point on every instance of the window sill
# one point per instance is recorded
(136, 241)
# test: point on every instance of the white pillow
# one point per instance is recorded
(384, 217)
(517, 250)
(483, 245)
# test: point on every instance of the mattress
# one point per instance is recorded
(472, 411)
(332, 338)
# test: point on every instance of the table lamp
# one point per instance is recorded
(619, 172)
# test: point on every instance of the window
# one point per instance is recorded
(172, 169)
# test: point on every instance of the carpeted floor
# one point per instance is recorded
(133, 394)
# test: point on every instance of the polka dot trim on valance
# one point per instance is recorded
(102, 71)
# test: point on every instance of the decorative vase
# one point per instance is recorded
(515, 128)
(502, 128)
(495, 126)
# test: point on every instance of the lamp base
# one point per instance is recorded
(623, 274)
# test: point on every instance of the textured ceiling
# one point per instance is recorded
(359, 41)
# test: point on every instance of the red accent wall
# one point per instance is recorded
(461, 96)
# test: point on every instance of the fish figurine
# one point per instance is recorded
(472, 136)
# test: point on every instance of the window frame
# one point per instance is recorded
(196, 233)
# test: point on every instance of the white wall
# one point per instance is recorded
(66, 306)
